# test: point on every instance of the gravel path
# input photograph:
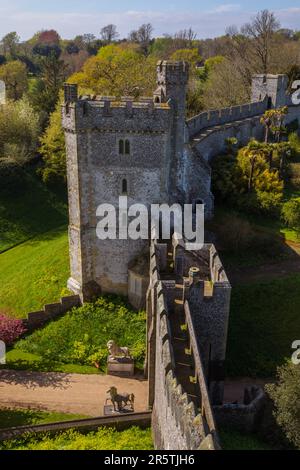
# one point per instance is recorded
(67, 393)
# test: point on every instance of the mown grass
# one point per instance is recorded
(29, 212)
(264, 322)
(24, 417)
(21, 360)
(104, 439)
(231, 440)
(34, 273)
(78, 340)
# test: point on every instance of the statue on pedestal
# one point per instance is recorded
(119, 360)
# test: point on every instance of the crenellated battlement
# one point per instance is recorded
(108, 113)
(182, 412)
(219, 117)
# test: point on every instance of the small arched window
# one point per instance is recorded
(127, 147)
(124, 186)
(157, 100)
(121, 147)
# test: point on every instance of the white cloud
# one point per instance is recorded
(227, 7)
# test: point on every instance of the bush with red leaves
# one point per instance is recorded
(10, 329)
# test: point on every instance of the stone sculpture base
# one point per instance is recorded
(109, 411)
(122, 366)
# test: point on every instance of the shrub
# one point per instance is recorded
(286, 397)
(10, 329)
(235, 233)
(81, 336)
(133, 438)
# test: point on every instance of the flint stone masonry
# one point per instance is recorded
(176, 422)
(245, 418)
(51, 311)
(153, 169)
(167, 161)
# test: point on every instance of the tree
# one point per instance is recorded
(19, 130)
(286, 397)
(187, 35)
(247, 181)
(48, 37)
(261, 32)
(224, 87)
(109, 33)
(46, 89)
(191, 56)
(117, 71)
(9, 44)
(14, 75)
(53, 150)
(291, 214)
(142, 36)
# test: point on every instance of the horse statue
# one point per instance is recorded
(115, 351)
(118, 399)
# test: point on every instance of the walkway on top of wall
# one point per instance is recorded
(204, 133)
(185, 371)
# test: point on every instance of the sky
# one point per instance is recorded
(73, 17)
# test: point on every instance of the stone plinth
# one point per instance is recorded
(121, 366)
(109, 410)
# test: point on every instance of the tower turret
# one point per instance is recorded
(172, 79)
(273, 86)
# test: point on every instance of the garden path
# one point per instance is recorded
(66, 393)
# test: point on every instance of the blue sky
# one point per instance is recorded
(72, 17)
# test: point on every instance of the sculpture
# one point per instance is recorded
(116, 351)
(118, 399)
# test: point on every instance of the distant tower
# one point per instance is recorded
(172, 79)
(273, 86)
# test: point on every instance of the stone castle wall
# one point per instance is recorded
(176, 423)
(223, 116)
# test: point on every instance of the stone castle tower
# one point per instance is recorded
(115, 148)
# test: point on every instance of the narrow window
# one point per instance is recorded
(127, 147)
(121, 147)
(124, 186)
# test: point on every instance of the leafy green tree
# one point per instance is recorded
(19, 131)
(291, 213)
(247, 180)
(9, 44)
(286, 397)
(44, 92)
(53, 151)
(117, 71)
(14, 75)
(191, 56)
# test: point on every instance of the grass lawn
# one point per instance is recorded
(235, 441)
(264, 322)
(21, 360)
(22, 417)
(76, 341)
(104, 439)
(32, 211)
(34, 273)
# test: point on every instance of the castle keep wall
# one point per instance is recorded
(96, 174)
